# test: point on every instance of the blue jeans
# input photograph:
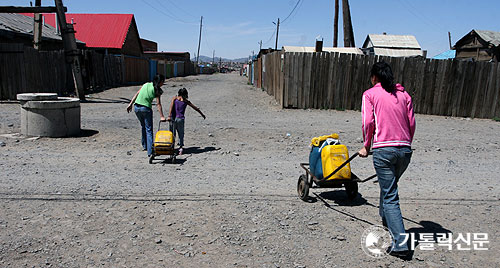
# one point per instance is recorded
(179, 127)
(390, 163)
(145, 116)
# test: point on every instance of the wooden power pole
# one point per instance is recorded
(336, 25)
(449, 40)
(37, 27)
(277, 31)
(199, 41)
(70, 49)
(348, 32)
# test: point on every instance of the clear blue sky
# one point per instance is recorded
(233, 28)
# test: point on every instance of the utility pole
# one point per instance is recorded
(449, 39)
(37, 27)
(213, 57)
(260, 47)
(348, 32)
(70, 49)
(199, 41)
(277, 31)
(336, 24)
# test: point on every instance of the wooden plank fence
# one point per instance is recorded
(24, 69)
(337, 81)
(102, 70)
(136, 69)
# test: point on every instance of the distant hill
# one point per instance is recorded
(209, 59)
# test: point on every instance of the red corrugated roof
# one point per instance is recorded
(97, 30)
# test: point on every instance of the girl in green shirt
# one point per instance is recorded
(142, 104)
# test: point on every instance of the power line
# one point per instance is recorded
(173, 14)
(207, 40)
(295, 13)
(166, 14)
(270, 38)
(181, 9)
(421, 17)
(291, 11)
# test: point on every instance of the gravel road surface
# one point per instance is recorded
(230, 200)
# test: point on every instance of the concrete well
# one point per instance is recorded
(46, 115)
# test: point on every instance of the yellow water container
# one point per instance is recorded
(164, 140)
(332, 156)
(316, 141)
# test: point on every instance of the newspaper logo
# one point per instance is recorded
(376, 240)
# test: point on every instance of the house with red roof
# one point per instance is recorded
(109, 33)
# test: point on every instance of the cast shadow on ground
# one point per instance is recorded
(198, 150)
(428, 227)
(332, 207)
(103, 100)
(167, 160)
(85, 133)
(178, 161)
(339, 197)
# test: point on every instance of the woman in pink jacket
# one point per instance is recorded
(388, 128)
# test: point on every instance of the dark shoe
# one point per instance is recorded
(400, 254)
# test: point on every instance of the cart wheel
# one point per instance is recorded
(303, 188)
(351, 189)
(151, 158)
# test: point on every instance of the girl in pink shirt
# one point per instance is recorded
(388, 129)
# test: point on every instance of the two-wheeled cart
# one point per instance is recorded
(164, 143)
(351, 185)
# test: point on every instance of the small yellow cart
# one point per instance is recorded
(164, 143)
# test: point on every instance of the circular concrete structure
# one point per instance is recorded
(46, 115)
(36, 96)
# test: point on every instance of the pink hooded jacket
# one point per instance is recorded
(388, 118)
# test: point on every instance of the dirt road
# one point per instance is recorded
(230, 201)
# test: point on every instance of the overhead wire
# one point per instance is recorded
(166, 14)
(420, 16)
(298, 1)
(295, 13)
(172, 13)
(207, 41)
(181, 9)
(270, 38)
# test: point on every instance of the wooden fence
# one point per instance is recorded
(136, 69)
(102, 70)
(23, 69)
(337, 81)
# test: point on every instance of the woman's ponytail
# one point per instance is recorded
(157, 80)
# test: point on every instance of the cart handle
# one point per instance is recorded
(303, 165)
(343, 164)
(171, 123)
